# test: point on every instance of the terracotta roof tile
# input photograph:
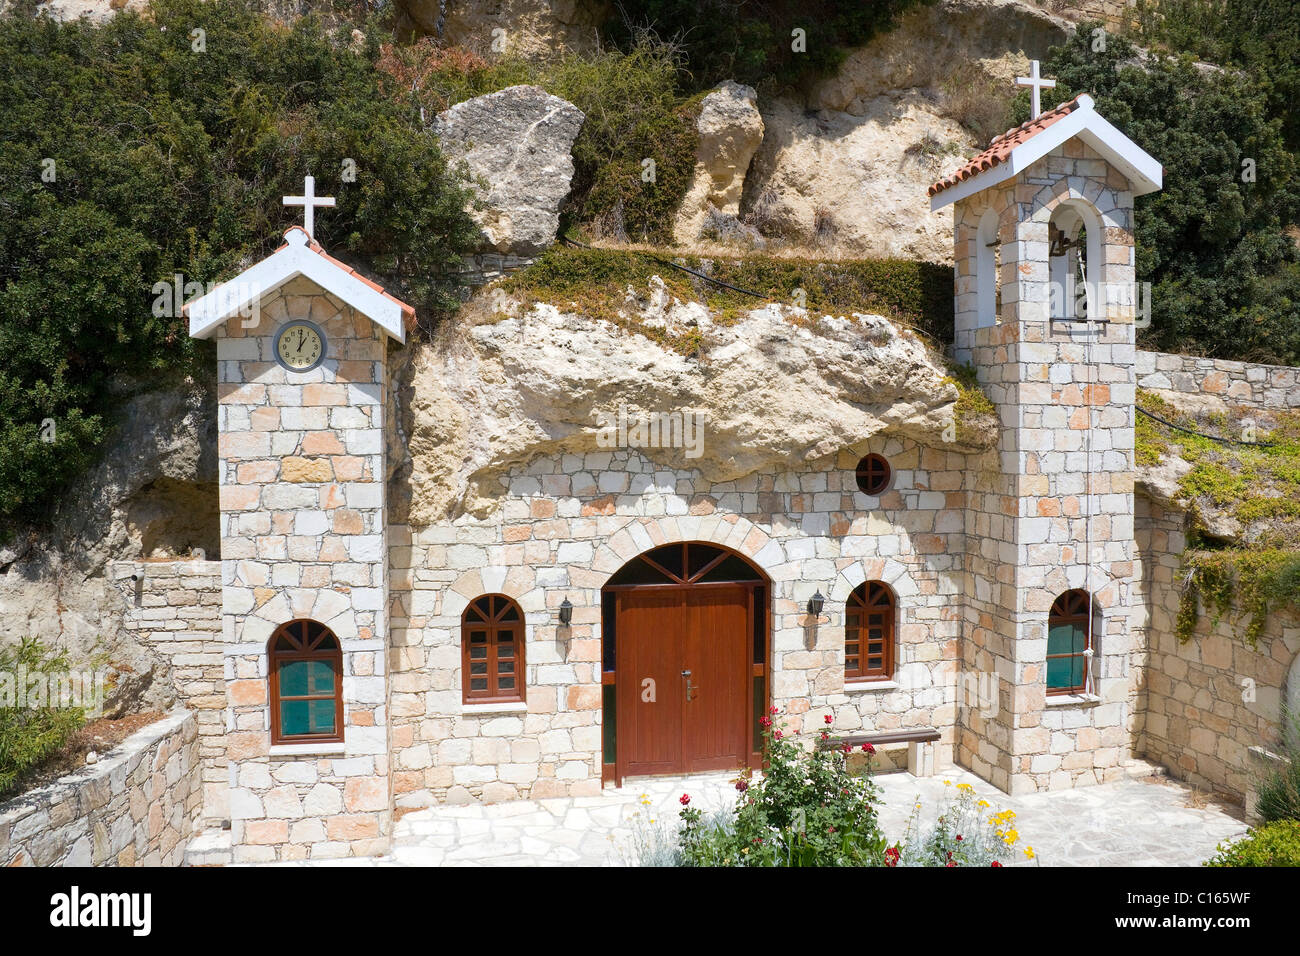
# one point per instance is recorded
(999, 150)
(408, 312)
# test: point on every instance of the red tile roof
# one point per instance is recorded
(999, 150)
(408, 312)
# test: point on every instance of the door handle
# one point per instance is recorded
(690, 688)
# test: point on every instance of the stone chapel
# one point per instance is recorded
(950, 607)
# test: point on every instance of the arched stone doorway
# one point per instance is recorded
(685, 635)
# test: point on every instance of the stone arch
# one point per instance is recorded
(1096, 209)
(733, 532)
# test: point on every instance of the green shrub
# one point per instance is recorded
(29, 736)
(1273, 844)
(751, 41)
(1213, 242)
(966, 833)
(1277, 792)
(634, 112)
(168, 160)
(807, 809)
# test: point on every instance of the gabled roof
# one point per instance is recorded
(300, 256)
(1017, 149)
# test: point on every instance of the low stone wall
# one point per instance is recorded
(1238, 383)
(175, 607)
(1209, 701)
(138, 806)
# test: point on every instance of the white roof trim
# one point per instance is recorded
(296, 259)
(1144, 173)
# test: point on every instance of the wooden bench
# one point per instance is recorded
(920, 746)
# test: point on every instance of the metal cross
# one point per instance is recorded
(309, 201)
(1038, 83)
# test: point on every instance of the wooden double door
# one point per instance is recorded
(684, 685)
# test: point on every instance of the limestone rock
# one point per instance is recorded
(154, 494)
(731, 129)
(530, 28)
(517, 143)
(774, 387)
(845, 170)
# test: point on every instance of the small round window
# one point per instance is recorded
(873, 475)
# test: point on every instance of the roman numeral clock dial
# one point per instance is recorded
(300, 346)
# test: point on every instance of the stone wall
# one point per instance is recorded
(1206, 702)
(175, 607)
(1237, 383)
(136, 807)
(568, 523)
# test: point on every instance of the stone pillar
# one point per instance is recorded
(1060, 513)
(303, 528)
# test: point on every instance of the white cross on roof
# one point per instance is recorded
(309, 201)
(1033, 79)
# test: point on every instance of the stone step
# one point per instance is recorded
(209, 848)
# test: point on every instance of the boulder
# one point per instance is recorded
(731, 129)
(517, 144)
(773, 388)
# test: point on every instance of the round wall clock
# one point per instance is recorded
(300, 346)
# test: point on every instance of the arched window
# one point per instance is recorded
(492, 651)
(306, 684)
(988, 277)
(1069, 643)
(869, 633)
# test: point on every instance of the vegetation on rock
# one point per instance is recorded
(31, 735)
(135, 151)
(1213, 242)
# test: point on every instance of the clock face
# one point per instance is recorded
(300, 346)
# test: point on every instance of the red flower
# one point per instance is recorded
(829, 719)
(891, 856)
(847, 749)
(685, 799)
(951, 863)
(826, 735)
(995, 863)
(775, 710)
(868, 749)
(779, 735)
(765, 721)
(742, 785)
(958, 837)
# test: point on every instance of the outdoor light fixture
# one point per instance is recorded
(566, 612)
(815, 603)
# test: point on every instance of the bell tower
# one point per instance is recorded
(302, 388)
(1044, 310)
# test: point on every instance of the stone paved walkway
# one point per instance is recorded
(1148, 821)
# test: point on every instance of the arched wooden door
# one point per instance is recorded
(685, 649)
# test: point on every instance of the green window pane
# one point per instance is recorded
(609, 724)
(322, 716)
(295, 678)
(321, 680)
(1066, 639)
(1065, 672)
(295, 718)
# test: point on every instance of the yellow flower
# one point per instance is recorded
(947, 783)
(1029, 852)
(983, 804)
(965, 786)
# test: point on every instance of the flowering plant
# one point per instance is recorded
(806, 809)
(966, 834)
